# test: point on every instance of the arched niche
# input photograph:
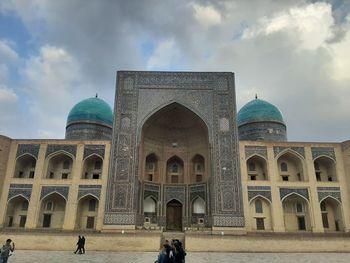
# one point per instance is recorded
(52, 211)
(296, 213)
(16, 212)
(257, 168)
(198, 206)
(331, 213)
(92, 168)
(87, 212)
(174, 130)
(25, 166)
(150, 210)
(291, 167)
(197, 169)
(260, 211)
(59, 166)
(198, 212)
(151, 168)
(175, 170)
(325, 170)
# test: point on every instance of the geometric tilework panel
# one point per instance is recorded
(94, 190)
(20, 189)
(94, 149)
(197, 191)
(46, 190)
(323, 192)
(300, 191)
(33, 149)
(175, 192)
(119, 219)
(151, 190)
(51, 148)
(326, 151)
(279, 149)
(264, 191)
(252, 150)
(228, 221)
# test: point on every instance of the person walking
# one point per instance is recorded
(79, 245)
(5, 251)
(83, 244)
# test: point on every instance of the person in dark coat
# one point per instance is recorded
(83, 244)
(163, 256)
(79, 245)
(5, 251)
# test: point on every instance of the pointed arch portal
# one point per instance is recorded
(181, 114)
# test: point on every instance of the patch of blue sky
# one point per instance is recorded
(238, 33)
(147, 48)
(13, 30)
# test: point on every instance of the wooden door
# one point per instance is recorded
(90, 222)
(174, 216)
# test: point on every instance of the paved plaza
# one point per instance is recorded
(22, 256)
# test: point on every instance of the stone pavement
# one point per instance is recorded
(23, 256)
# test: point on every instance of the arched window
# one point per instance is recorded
(251, 166)
(258, 207)
(284, 167)
(98, 165)
(66, 164)
(49, 206)
(25, 205)
(92, 205)
(175, 168)
(299, 207)
(317, 166)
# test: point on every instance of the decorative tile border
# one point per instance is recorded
(326, 151)
(278, 149)
(24, 190)
(323, 192)
(94, 190)
(299, 191)
(254, 191)
(94, 149)
(252, 150)
(51, 148)
(47, 190)
(32, 149)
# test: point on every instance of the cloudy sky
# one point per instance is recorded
(295, 54)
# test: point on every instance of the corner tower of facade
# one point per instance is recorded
(259, 120)
(90, 119)
(175, 158)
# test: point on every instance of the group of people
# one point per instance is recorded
(80, 245)
(171, 252)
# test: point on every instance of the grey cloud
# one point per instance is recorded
(107, 36)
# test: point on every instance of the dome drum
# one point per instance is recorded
(91, 131)
(263, 132)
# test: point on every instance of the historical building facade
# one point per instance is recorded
(180, 158)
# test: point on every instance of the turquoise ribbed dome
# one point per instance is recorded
(92, 110)
(259, 110)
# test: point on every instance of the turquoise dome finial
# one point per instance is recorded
(92, 110)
